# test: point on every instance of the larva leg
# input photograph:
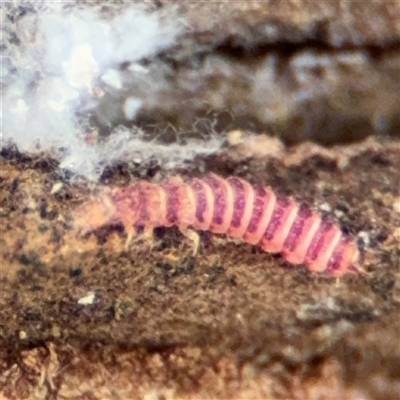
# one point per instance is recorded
(133, 237)
(193, 236)
(131, 234)
(148, 235)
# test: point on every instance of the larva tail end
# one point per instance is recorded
(357, 269)
(356, 264)
(353, 266)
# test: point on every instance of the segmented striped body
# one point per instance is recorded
(233, 207)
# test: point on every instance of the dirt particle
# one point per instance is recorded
(22, 335)
(87, 300)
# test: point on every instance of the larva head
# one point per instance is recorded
(94, 214)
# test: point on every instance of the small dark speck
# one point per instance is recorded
(327, 192)
(31, 314)
(109, 314)
(380, 159)
(382, 236)
(382, 286)
(187, 268)
(360, 316)
(55, 236)
(24, 260)
(342, 207)
(52, 215)
(164, 266)
(124, 65)
(74, 272)
(45, 214)
(214, 272)
(13, 39)
(43, 210)
(361, 244)
(23, 276)
(159, 232)
(43, 228)
(44, 165)
(346, 229)
(14, 186)
(191, 264)
(22, 10)
(67, 226)
(36, 288)
(217, 269)
(255, 250)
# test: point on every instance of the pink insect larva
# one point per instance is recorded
(233, 207)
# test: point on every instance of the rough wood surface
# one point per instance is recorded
(81, 315)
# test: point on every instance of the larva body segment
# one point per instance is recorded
(232, 206)
(264, 204)
(223, 203)
(279, 225)
(243, 196)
